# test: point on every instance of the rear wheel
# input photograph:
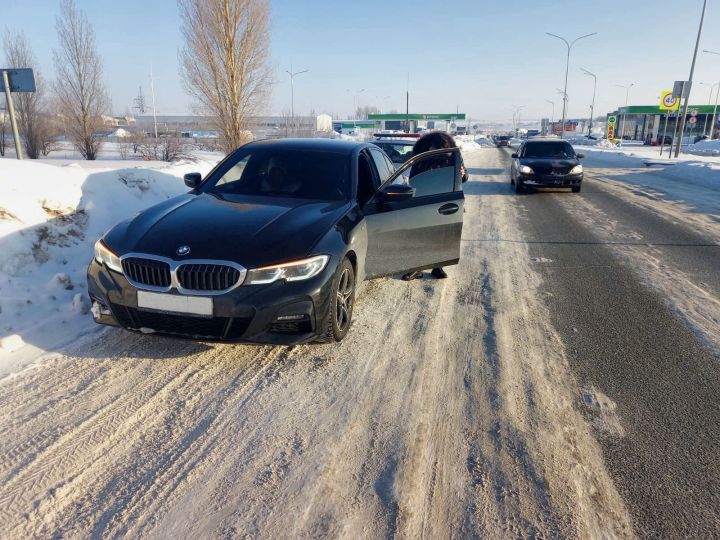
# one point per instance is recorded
(340, 308)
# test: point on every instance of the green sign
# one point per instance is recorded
(452, 116)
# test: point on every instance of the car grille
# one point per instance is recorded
(147, 271)
(182, 325)
(207, 277)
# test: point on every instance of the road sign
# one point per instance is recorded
(21, 80)
(693, 119)
(668, 102)
(694, 112)
(679, 88)
(612, 120)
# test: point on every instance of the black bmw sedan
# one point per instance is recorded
(546, 163)
(273, 243)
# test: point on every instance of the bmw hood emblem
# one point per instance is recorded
(183, 250)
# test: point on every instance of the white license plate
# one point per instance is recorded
(195, 305)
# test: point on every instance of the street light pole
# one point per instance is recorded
(292, 93)
(552, 116)
(690, 79)
(710, 86)
(627, 94)
(714, 116)
(592, 107)
(567, 69)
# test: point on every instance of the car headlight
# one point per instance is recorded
(103, 255)
(577, 169)
(291, 271)
(524, 169)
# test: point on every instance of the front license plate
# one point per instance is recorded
(195, 305)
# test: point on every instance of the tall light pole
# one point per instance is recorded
(292, 92)
(592, 107)
(152, 92)
(567, 69)
(690, 79)
(710, 86)
(552, 115)
(516, 117)
(627, 95)
(714, 117)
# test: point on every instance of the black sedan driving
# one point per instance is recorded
(272, 244)
(546, 163)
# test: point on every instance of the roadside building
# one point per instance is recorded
(647, 122)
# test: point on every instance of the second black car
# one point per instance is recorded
(546, 163)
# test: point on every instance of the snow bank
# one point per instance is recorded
(704, 148)
(50, 217)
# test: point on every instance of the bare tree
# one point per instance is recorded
(225, 61)
(79, 87)
(362, 112)
(164, 149)
(3, 131)
(28, 105)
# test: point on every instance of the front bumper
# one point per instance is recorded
(278, 313)
(551, 180)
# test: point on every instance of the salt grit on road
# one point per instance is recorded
(449, 410)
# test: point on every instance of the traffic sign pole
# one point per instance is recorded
(11, 110)
(662, 141)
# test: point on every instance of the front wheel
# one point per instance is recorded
(342, 301)
(576, 189)
(519, 187)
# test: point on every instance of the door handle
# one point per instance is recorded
(447, 209)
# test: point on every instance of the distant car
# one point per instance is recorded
(699, 138)
(501, 140)
(533, 133)
(546, 163)
(270, 245)
(398, 150)
(666, 140)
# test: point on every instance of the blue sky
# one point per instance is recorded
(481, 56)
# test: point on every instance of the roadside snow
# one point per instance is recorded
(50, 217)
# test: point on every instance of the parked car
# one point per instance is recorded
(398, 150)
(271, 245)
(501, 140)
(546, 163)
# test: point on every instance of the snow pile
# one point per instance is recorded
(467, 143)
(121, 133)
(50, 217)
(582, 140)
(704, 148)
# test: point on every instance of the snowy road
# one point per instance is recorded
(563, 382)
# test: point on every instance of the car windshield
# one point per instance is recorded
(283, 172)
(398, 152)
(557, 150)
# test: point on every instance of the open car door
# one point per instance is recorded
(414, 220)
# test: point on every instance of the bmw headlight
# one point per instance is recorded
(291, 271)
(524, 169)
(103, 255)
(577, 169)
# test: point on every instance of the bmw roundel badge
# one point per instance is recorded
(183, 250)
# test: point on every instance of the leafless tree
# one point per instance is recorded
(225, 61)
(79, 87)
(164, 149)
(4, 120)
(362, 112)
(136, 140)
(28, 105)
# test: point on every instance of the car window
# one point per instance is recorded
(398, 152)
(284, 172)
(554, 150)
(382, 167)
(433, 175)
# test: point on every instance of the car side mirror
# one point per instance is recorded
(396, 192)
(514, 156)
(579, 156)
(193, 179)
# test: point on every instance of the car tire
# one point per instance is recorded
(576, 189)
(519, 188)
(340, 309)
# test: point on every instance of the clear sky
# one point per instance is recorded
(481, 56)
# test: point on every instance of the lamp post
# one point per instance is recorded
(710, 86)
(690, 79)
(592, 106)
(552, 116)
(516, 117)
(627, 94)
(567, 68)
(714, 117)
(292, 93)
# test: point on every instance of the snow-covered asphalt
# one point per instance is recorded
(563, 382)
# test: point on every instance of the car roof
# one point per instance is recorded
(546, 140)
(399, 140)
(325, 145)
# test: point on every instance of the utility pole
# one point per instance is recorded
(592, 107)
(710, 86)
(690, 79)
(407, 104)
(627, 95)
(11, 111)
(152, 91)
(552, 115)
(567, 69)
(292, 93)
(714, 116)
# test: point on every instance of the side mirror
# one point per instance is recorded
(579, 156)
(193, 179)
(396, 192)
(514, 156)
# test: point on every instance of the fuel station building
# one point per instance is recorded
(647, 122)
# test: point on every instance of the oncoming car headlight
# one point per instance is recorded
(524, 169)
(577, 169)
(103, 255)
(291, 271)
